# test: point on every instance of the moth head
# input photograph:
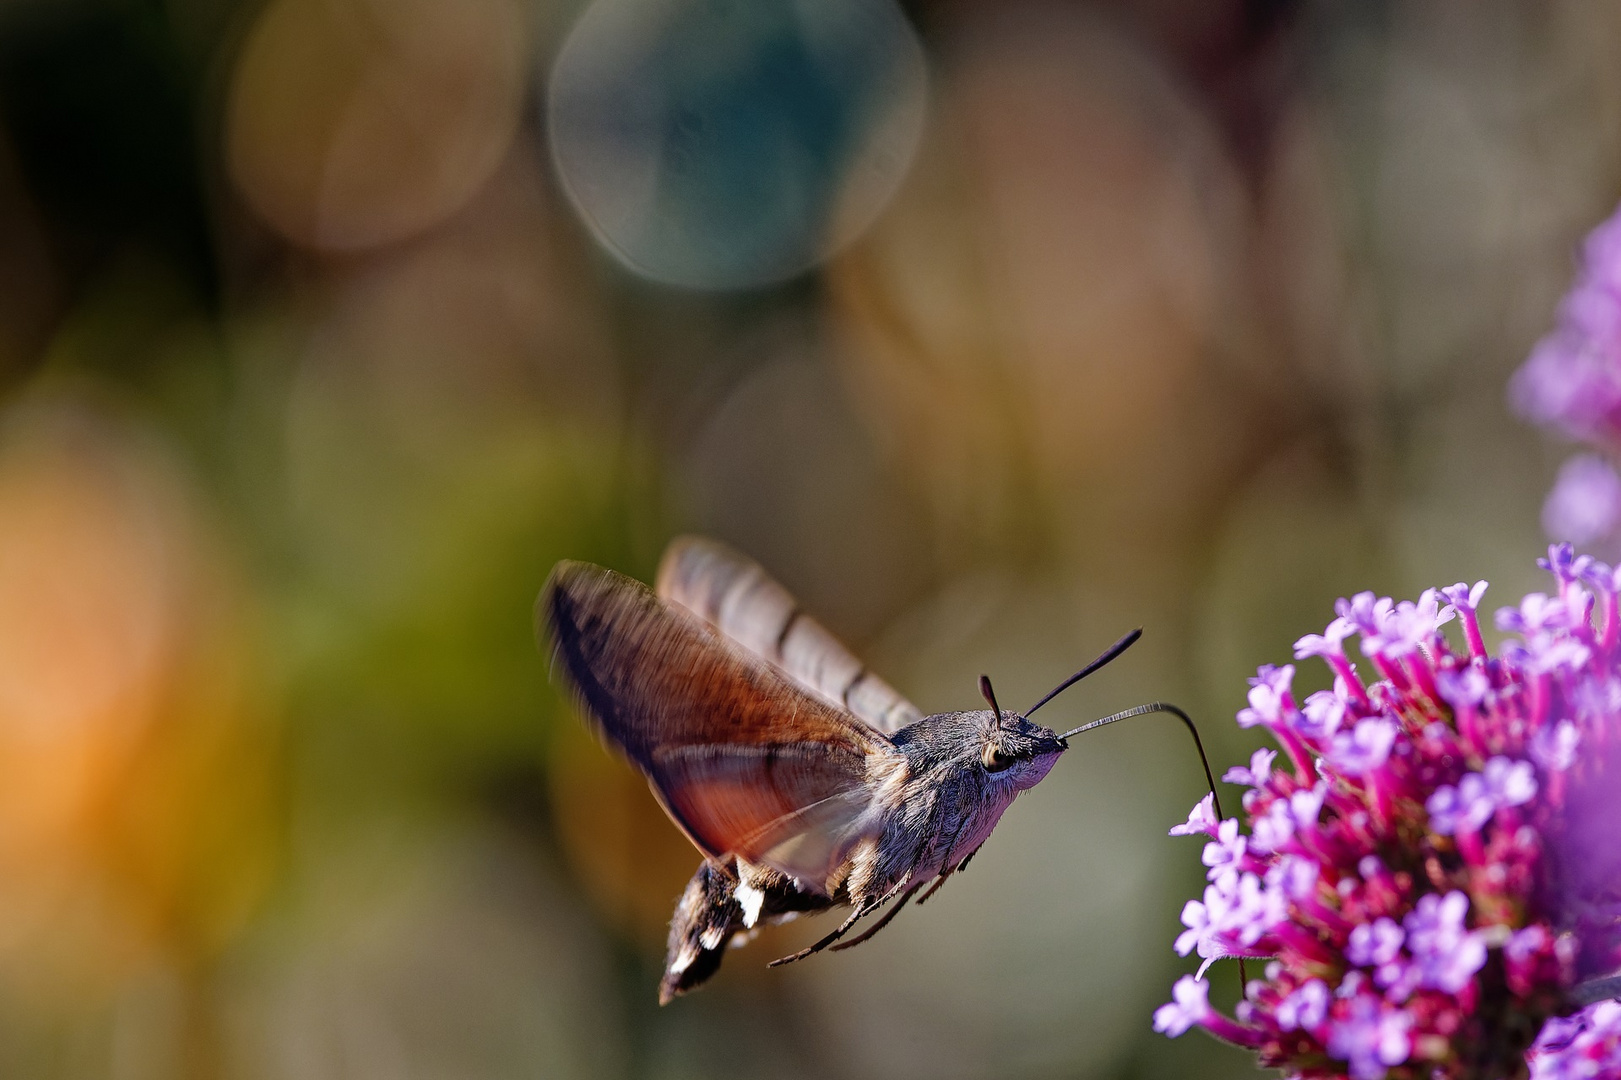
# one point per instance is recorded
(1014, 750)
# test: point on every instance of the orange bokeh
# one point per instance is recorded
(134, 766)
(353, 123)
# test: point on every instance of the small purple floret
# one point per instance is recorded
(1260, 767)
(1201, 820)
(1365, 747)
(1306, 1007)
(1321, 716)
(1371, 1038)
(1465, 597)
(1509, 783)
(1268, 696)
(1190, 1004)
(1463, 689)
(1226, 850)
(1554, 747)
(1375, 943)
(1461, 809)
(1326, 644)
(1447, 954)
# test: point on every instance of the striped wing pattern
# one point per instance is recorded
(734, 594)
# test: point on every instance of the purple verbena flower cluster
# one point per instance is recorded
(1583, 1047)
(1572, 383)
(1434, 863)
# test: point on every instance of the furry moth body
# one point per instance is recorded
(806, 781)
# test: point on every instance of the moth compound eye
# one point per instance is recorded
(993, 759)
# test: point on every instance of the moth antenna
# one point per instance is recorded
(1108, 654)
(990, 695)
(1164, 707)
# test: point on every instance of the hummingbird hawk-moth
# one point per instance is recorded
(805, 780)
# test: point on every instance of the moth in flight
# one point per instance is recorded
(805, 780)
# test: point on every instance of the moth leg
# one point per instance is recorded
(881, 923)
(948, 865)
(864, 909)
(941, 880)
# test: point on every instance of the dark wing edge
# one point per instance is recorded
(745, 762)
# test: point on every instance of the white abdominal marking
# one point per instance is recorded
(683, 959)
(749, 899)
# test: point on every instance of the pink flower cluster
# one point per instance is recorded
(1435, 864)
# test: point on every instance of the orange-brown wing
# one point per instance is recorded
(734, 594)
(746, 762)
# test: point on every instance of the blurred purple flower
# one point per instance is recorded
(1461, 809)
(1554, 747)
(1447, 954)
(1583, 1047)
(1463, 689)
(1572, 380)
(1572, 383)
(1585, 503)
(1370, 1037)
(1436, 865)
(1189, 1005)
(1509, 783)
(1375, 943)
(1306, 1008)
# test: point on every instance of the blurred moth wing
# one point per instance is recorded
(734, 594)
(753, 763)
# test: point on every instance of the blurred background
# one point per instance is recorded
(993, 329)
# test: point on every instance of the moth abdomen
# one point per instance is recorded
(719, 902)
(705, 918)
